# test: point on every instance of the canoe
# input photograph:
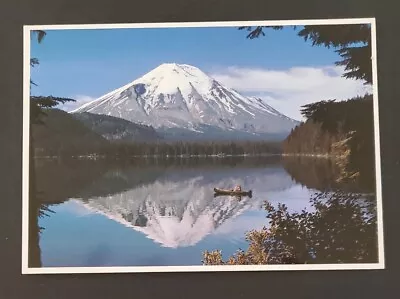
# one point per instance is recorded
(232, 193)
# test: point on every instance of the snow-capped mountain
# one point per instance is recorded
(180, 210)
(178, 98)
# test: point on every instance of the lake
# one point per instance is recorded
(147, 212)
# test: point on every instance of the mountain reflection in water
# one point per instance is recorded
(170, 203)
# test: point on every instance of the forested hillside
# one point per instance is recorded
(117, 129)
(343, 130)
(64, 134)
(60, 134)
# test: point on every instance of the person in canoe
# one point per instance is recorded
(237, 188)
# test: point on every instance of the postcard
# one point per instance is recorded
(210, 146)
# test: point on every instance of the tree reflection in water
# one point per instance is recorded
(341, 227)
(37, 210)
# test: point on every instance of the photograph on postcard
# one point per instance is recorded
(201, 146)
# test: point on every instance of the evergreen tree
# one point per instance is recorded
(39, 103)
(351, 41)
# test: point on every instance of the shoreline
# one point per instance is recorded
(96, 156)
(187, 156)
(325, 156)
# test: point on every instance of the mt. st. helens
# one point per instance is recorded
(181, 101)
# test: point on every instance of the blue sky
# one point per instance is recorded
(85, 64)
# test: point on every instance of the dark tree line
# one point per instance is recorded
(166, 149)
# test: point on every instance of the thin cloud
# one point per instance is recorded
(79, 101)
(287, 90)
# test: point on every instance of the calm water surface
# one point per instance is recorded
(157, 214)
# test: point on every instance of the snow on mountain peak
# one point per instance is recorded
(168, 78)
(182, 96)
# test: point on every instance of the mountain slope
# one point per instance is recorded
(182, 98)
(117, 129)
